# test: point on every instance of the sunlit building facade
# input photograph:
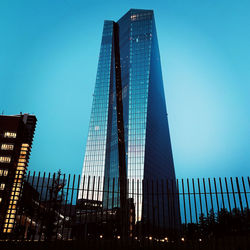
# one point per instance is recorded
(128, 131)
(16, 136)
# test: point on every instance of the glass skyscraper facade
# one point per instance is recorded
(128, 131)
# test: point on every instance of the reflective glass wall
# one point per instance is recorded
(148, 153)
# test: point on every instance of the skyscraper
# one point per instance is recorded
(128, 131)
(16, 136)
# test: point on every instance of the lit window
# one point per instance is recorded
(10, 216)
(19, 174)
(3, 172)
(8, 230)
(22, 160)
(15, 192)
(0, 199)
(25, 145)
(7, 146)
(133, 17)
(20, 169)
(13, 202)
(9, 135)
(5, 159)
(2, 186)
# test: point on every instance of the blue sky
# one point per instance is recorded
(48, 62)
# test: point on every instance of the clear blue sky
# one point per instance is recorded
(48, 62)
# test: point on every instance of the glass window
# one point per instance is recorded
(5, 159)
(2, 186)
(3, 172)
(9, 135)
(7, 146)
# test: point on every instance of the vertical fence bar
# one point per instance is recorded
(173, 203)
(158, 207)
(133, 198)
(195, 206)
(228, 196)
(71, 201)
(103, 199)
(178, 204)
(51, 209)
(169, 206)
(40, 205)
(86, 212)
(200, 199)
(231, 179)
(153, 207)
(118, 193)
(39, 199)
(239, 193)
(216, 195)
(66, 201)
(163, 205)
(189, 201)
(245, 193)
(77, 198)
(97, 198)
(148, 219)
(22, 215)
(92, 201)
(205, 193)
(60, 204)
(211, 195)
(107, 200)
(222, 194)
(184, 204)
(139, 216)
(143, 199)
(113, 200)
(27, 227)
(44, 209)
(32, 217)
(81, 201)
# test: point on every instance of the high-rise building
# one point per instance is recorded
(128, 132)
(16, 136)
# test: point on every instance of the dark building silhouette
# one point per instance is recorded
(128, 134)
(16, 136)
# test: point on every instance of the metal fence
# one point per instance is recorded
(56, 207)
